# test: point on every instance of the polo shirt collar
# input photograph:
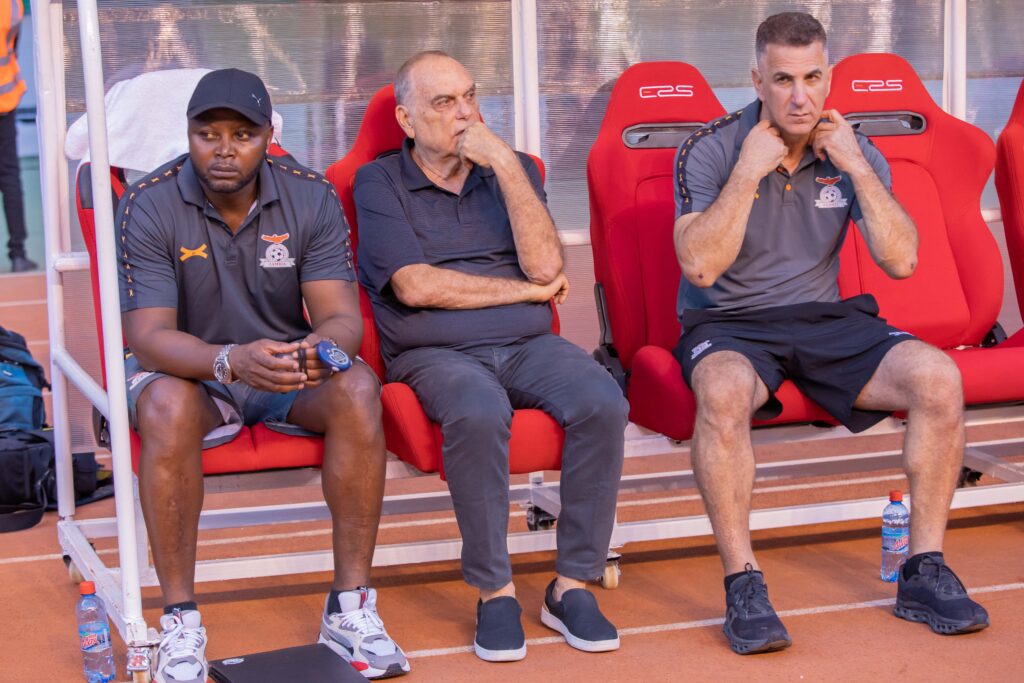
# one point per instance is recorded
(192, 191)
(414, 178)
(749, 117)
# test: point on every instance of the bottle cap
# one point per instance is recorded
(896, 496)
(87, 588)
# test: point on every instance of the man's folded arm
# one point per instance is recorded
(537, 245)
(423, 286)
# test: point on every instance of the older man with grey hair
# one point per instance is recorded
(461, 260)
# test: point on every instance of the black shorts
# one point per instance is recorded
(829, 350)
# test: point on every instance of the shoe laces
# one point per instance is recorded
(946, 582)
(754, 596)
(363, 621)
(181, 641)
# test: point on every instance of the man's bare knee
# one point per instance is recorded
(355, 393)
(171, 407)
(728, 389)
(934, 382)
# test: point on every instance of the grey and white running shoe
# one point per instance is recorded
(358, 635)
(181, 657)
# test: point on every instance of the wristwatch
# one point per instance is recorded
(221, 367)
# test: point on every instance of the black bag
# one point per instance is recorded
(25, 458)
(28, 482)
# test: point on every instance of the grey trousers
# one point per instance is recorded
(472, 395)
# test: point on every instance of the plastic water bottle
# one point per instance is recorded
(895, 536)
(94, 636)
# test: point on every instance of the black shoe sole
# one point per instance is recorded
(754, 647)
(914, 611)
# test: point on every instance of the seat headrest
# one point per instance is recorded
(656, 92)
(379, 132)
(878, 82)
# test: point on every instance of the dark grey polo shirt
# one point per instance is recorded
(176, 252)
(405, 219)
(790, 252)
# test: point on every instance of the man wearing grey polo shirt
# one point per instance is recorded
(220, 248)
(763, 198)
(461, 260)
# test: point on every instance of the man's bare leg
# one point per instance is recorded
(173, 414)
(922, 380)
(728, 392)
(347, 410)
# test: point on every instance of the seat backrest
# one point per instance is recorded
(939, 168)
(653, 108)
(379, 135)
(85, 208)
(1010, 186)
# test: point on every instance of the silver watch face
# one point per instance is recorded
(221, 369)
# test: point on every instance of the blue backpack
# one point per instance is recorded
(22, 381)
(25, 449)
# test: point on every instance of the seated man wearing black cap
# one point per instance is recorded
(219, 250)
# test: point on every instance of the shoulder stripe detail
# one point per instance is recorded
(132, 192)
(696, 135)
(301, 172)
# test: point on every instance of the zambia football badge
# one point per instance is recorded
(831, 197)
(277, 252)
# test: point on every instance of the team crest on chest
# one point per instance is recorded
(277, 252)
(830, 197)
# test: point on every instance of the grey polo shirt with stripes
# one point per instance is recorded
(790, 252)
(177, 252)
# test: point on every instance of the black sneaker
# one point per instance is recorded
(579, 620)
(750, 620)
(935, 595)
(499, 633)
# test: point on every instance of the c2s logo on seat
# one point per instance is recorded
(648, 92)
(877, 85)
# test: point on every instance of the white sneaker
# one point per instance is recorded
(357, 634)
(181, 657)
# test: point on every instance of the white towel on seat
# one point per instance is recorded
(146, 121)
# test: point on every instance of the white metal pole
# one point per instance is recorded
(92, 65)
(50, 159)
(954, 76)
(525, 75)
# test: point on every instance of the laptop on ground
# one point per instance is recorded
(306, 663)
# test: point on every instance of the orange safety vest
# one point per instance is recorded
(12, 87)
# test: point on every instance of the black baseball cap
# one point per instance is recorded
(232, 89)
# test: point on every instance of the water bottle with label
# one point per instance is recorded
(94, 636)
(895, 536)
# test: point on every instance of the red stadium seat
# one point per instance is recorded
(254, 448)
(536, 442)
(1010, 186)
(653, 107)
(939, 166)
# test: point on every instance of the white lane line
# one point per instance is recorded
(701, 623)
(450, 519)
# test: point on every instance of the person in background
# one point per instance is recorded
(12, 87)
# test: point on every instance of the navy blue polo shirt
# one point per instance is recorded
(790, 251)
(176, 252)
(405, 219)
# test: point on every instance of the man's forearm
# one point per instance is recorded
(889, 231)
(423, 286)
(537, 244)
(175, 353)
(707, 246)
(346, 335)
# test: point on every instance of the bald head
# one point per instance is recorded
(404, 77)
(436, 101)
